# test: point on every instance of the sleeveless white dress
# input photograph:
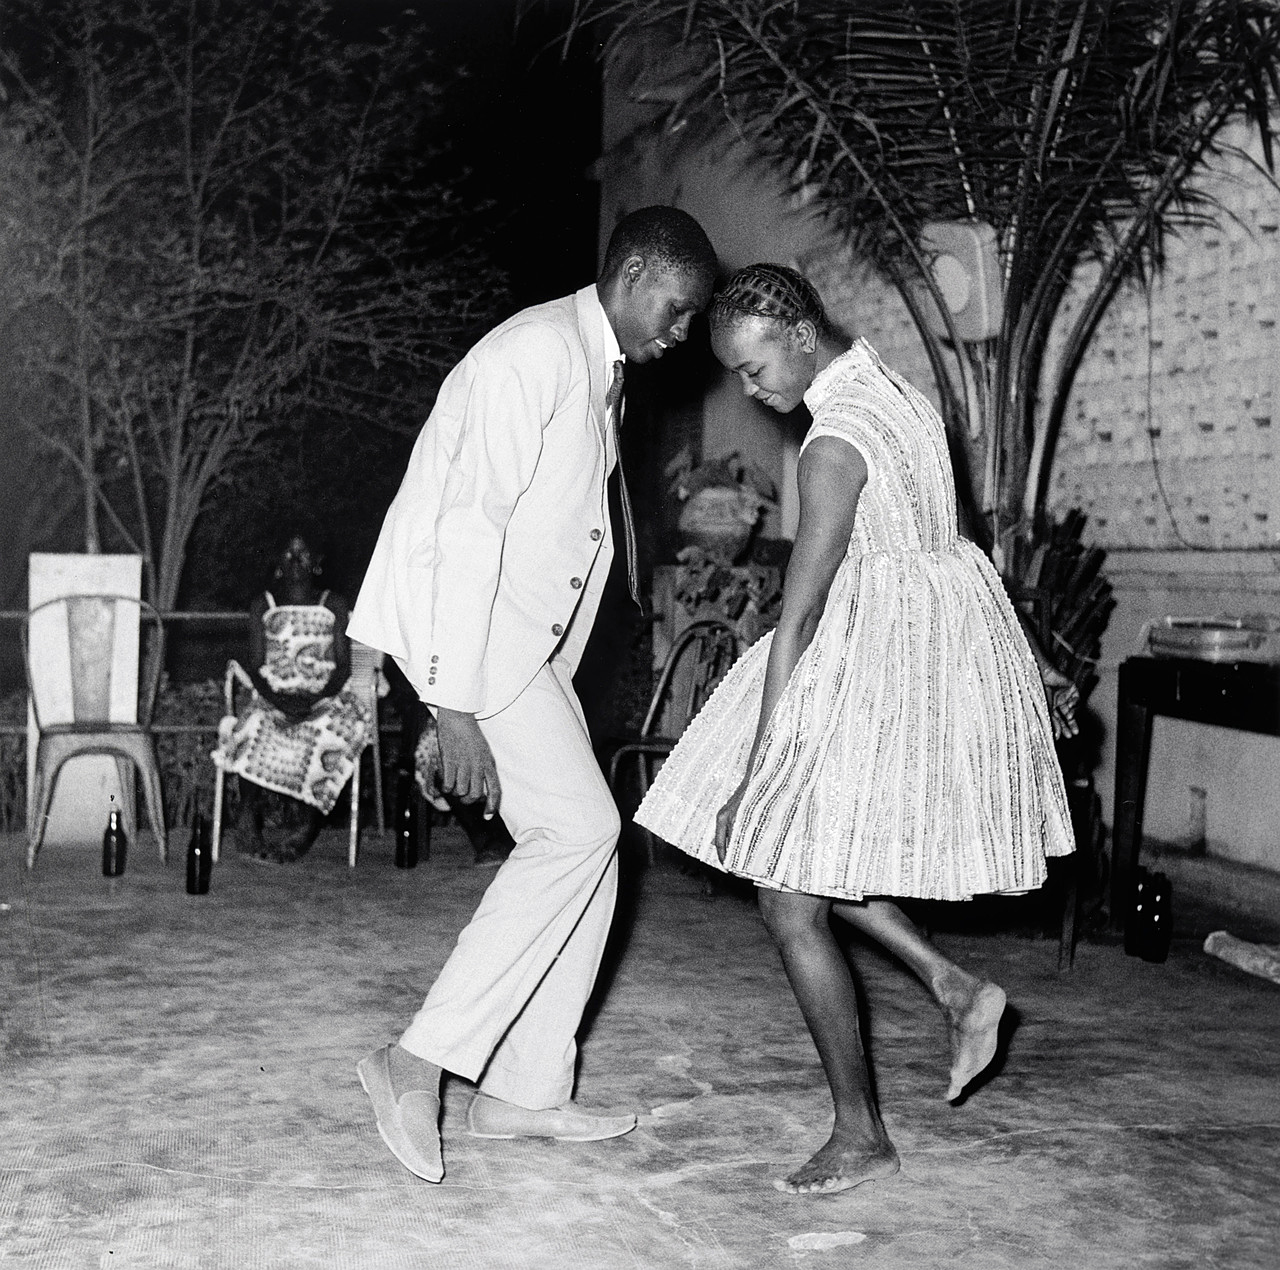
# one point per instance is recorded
(911, 752)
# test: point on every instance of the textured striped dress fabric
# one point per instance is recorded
(911, 752)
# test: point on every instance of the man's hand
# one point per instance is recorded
(1063, 697)
(466, 762)
(428, 771)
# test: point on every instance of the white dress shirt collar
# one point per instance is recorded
(612, 349)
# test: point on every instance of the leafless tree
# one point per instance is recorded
(237, 226)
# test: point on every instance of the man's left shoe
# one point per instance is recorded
(492, 1118)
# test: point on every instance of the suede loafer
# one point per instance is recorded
(409, 1124)
(492, 1118)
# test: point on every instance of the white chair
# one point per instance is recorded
(92, 626)
(367, 681)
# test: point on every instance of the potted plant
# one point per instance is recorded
(723, 501)
(748, 596)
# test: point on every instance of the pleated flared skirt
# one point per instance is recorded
(911, 753)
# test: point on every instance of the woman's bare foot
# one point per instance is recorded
(844, 1162)
(973, 1010)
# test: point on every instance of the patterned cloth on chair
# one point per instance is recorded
(309, 758)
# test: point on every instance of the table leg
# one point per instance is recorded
(1133, 749)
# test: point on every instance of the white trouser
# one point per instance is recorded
(506, 1007)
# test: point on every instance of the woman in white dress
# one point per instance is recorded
(892, 736)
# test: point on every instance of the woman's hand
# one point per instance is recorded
(1064, 698)
(725, 818)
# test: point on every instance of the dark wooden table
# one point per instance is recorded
(1241, 694)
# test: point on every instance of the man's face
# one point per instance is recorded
(657, 304)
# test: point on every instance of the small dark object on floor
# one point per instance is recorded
(115, 846)
(1150, 922)
(408, 813)
(199, 857)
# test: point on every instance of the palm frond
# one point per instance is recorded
(1078, 129)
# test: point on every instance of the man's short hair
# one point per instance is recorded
(661, 234)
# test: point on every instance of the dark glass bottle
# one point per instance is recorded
(406, 821)
(115, 846)
(1148, 929)
(199, 860)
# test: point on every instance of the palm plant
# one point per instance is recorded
(1077, 129)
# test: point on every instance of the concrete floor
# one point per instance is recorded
(179, 1091)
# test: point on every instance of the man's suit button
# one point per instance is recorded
(432, 679)
(596, 535)
(557, 630)
(434, 659)
(576, 583)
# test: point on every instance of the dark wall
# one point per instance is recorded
(525, 123)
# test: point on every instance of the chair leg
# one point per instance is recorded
(426, 819)
(33, 818)
(128, 794)
(376, 745)
(355, 816)
(155, 805)
(644, 789)
(219, 776)
(1082, 802)
(614, 763)
(642, 761)
(41, 801)
(1070, 911)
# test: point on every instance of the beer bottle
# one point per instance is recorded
(406, 820)
(199, 860)
(115, 846)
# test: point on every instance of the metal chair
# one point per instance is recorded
(96, 634)
(365, 679)
(699, 658)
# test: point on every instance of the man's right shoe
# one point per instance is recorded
(409, 1124)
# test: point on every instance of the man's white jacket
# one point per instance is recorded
(495, 550)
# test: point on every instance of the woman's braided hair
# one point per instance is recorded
(768, 291)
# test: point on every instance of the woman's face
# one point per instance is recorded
(775, 362)
(297, 558)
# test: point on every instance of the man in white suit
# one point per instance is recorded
(483, 586)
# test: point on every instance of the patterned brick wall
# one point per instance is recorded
(863, 306)
(1170, 433)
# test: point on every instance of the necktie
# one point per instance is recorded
(613, 404)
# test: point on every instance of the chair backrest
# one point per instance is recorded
(698, 660)
(102, 635)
